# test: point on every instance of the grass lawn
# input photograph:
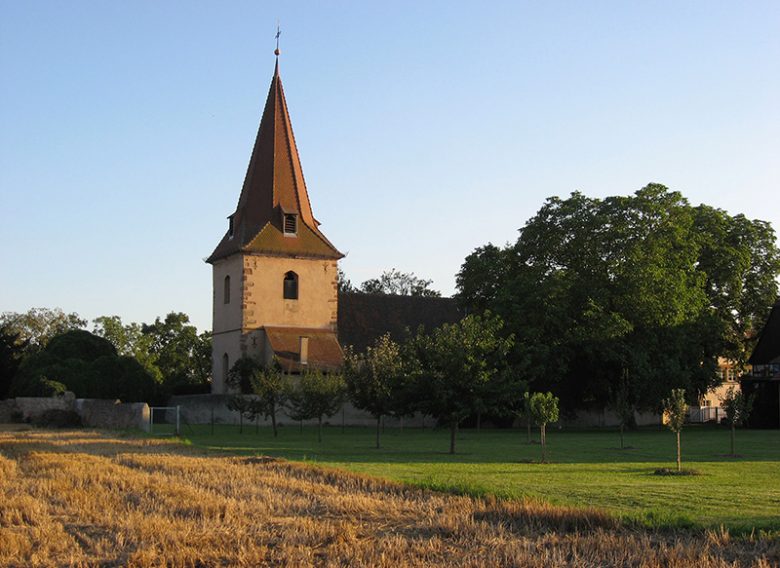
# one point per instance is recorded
(588, 468)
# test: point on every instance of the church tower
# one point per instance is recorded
(274, 272)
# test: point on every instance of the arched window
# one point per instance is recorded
(291, 286)
(225, 368)
(227, 290)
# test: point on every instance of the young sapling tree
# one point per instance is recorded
(315, 395)
(544, 409)
(675, 411)
(738, 407)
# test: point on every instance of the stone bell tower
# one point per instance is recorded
(274, 272)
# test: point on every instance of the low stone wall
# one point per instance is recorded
(94, 413)
(31, 407)
(113, 415)
(9, 412)
(205, 408)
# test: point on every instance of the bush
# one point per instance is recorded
(57, 418)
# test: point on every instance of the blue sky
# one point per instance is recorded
(425, 129)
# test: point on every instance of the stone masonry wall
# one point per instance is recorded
(109, 414)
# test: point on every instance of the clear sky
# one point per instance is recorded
(425, 129)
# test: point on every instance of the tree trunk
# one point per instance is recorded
(732, 439)
(453, 433)
(528, 427)
(679, 461)
(319, 428)
(543, 433)
(378, 423)
(621, 436)
(273, 422)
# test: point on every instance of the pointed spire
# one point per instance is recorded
(274, 186)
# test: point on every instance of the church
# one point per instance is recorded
(275, 290)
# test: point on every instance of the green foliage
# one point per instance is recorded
(675, 410)
(737, 406)
(11, 352)
(129, 341)
(544, 408)
(399, 283)
(461, 370)
(267, 384)
(344, 284)
(37, 326)
(88, 366)
(247, 407)
(170, 350)
(314, 395)
(182, 355)
(645, 284)
(376, 380)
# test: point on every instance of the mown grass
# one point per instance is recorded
(84, 498)
(588, 468)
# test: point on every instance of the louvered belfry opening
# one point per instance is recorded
(291, 286)
(290, 224)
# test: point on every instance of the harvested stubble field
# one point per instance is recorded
(83, 498)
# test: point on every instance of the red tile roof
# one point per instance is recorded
(324, 350)
(274, 185)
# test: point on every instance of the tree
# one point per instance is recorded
(738, 407)
(644, 283)
(37, 326)
(544, 409)
(460, 366)
(375, 379)
(267, 384)
(399, 283)
(87, 365)
(344, 284)
(130, 341)
(314, 395)
(623, 405)
(11, 352)
(182, 355)
(246, 407)
(675, 411)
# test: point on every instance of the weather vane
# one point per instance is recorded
(278, 33)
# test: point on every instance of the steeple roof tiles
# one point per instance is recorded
(274, 185)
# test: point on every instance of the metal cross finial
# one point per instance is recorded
(278, 33)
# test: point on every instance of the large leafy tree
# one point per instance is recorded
(399, 283)
(182, 355)
(461, 370)
(639, 286)
(35, 327)
(87, 365)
